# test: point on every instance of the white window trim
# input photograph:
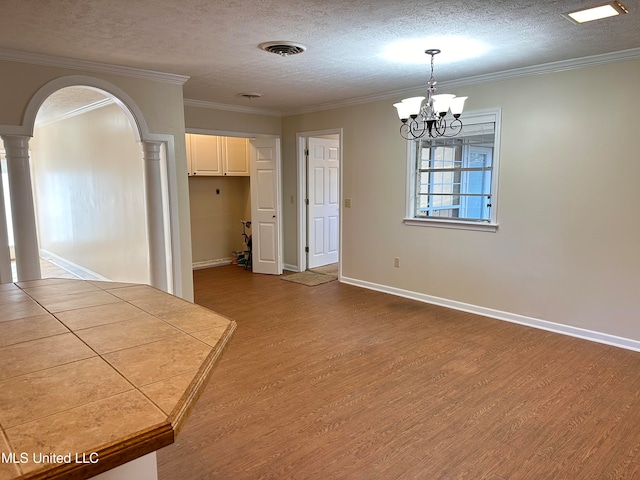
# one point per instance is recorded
(478, 116)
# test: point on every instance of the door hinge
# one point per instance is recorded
(306, 200)
(306, 249)
(306, 152)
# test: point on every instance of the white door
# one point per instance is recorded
(324, 204)
(265, 205)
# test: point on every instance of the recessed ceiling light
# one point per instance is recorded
(596, 13)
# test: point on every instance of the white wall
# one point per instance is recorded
(566, 248)
(89, 185)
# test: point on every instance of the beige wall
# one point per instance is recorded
(227, 121)
(89, 192)
(216, 230)
(161, 104)
(566, 249)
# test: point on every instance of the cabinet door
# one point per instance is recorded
(236, 156)
(206, 155)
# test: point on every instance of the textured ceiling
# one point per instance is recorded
(215, 42)
(67, 100)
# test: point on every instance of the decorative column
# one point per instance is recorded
(22, 208)
(155, 215)
(6, 275)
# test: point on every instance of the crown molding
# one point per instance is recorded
(85, 65)
(78, 111)
(552, 67)
(230, 108)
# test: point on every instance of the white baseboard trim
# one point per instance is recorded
(74, 269)
(210, 263)
(577, 332)
(291, 268)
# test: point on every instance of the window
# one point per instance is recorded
(453, 180)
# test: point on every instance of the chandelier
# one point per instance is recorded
(420, 119)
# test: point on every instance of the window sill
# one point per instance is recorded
(455, 224)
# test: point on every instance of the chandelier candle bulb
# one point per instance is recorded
(413, 105)
(403, 110)
(457, 105)
(441, 103)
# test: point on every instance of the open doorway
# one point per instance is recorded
(234, 182)
(160, 187)
(319, 193)
(90, 181)
(88, 177)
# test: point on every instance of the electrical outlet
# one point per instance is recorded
(347, 203)
(396, 262)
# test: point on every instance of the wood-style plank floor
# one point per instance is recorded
(338, 382)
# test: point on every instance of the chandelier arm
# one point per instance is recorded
(440, 126)
(407, 130)
(416, 130)
(404, 129)
(411, 130)
(455, 126)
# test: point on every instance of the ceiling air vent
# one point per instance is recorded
(284, 49)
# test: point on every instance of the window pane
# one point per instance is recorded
(454, 175)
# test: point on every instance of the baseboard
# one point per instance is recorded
(71, 267)
(290, 268)
(210, 263)
(577, 332)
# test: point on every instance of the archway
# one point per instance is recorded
(159, 182)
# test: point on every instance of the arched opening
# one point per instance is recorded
(101, 187)
(88, 178)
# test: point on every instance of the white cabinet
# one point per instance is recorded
(204, 154)
(235, 156)
(212, 155)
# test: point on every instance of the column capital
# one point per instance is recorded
(16, 146)
(151, 150)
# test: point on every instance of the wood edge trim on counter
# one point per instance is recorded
(110, 455)
(179, 414)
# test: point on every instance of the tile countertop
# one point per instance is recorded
(96, 374)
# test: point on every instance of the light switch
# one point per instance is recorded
(347, 203)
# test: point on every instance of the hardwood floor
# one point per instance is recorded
(338, 382)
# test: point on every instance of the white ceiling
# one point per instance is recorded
(214, 42)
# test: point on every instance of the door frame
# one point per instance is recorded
(228, 133)
(301, 142)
